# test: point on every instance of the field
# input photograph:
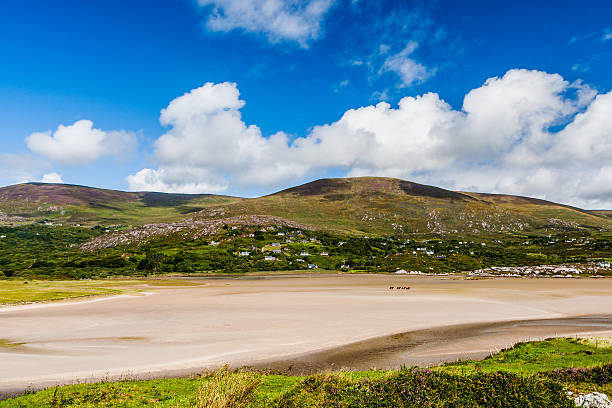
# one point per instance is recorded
(529, 374)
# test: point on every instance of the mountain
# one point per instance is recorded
(73, 204)
(356, 206)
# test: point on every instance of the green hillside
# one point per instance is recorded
(354, 206)
(384, 206)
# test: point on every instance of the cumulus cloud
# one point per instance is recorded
(52, 178)
(20, 167)
(80, 143)
(176, 179)
(409, 70)
(526, 132)
(278, 20)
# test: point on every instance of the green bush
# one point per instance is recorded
(426, 388)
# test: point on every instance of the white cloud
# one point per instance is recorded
(20, 167)
(607, 35)
(527, 132)
(52, 178)
(409, 71)
(80, 143)
(279, 20)
(174, 179)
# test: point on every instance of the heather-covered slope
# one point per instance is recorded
(65, 203)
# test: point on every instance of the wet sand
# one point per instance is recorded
(297, 324)
(433, 346)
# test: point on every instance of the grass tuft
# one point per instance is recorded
(224, 389)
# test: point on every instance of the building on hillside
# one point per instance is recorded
(604, 264)
(270, 258)
(312, 266)
(244, 253)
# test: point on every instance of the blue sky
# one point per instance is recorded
(299, 66)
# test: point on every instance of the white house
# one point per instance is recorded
(270, 258)
(276, 251)
(244, 253)
(324, 254)
(603, 264)
(281, 234)
(312, 266)
(304, 254)
(276, 244)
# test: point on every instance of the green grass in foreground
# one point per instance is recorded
(526, 376)
(536, 357)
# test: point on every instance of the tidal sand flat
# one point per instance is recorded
(283, 321)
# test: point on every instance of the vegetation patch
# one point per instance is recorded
(536, 357)
(18, 291)
(5, 343)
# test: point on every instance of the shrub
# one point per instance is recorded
(425, 388)
(596, 375)
(224, 389)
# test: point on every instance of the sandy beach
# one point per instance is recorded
(305, 324)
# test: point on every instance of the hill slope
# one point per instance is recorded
(65, 203)
(374, 205)
(356, 206)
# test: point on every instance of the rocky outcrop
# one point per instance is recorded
(187, 229)
(593, 400)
